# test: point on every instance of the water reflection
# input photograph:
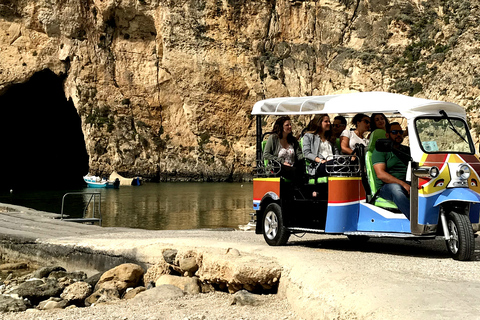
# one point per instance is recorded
(178, 205)
(155, 206)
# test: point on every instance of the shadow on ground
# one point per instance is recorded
(428, 249)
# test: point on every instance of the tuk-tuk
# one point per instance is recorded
(443, 171)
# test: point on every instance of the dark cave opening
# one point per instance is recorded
(41, 137)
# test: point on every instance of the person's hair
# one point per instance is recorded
(389, 125)
(359, 117)
(315, 125)
(373, 125)
(278, 128)
(342, 119)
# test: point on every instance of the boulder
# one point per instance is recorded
(103, 295)
(121, 277)
(188, 262)
(169, 255)
(52, 303)
(10, 304)
(155, 271)
(77, 292)
(160, 293)
(187, 284)
(131, 293)
(44, 272)
(65, 282)
(188, 265)
(93, 280)
(245, 298)
(233, 252)
(206, 287)
(37, 291)
(239, 271)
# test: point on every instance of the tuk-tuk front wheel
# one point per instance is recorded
(274, 231)
(461, 244)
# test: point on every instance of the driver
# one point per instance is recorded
(391, 170)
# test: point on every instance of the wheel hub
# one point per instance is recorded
(271, 225)
(453, 241)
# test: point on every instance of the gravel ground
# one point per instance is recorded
(215, 305)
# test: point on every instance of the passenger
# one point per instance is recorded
(284, 148)
(317, 146)
(378, 121)
(391, 170)
(349, 138)
(339, 124)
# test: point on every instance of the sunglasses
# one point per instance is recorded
(394, 132)
(366, 121)
(338, 125)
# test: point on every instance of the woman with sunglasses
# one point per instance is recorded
(339, 124)
(349, 138)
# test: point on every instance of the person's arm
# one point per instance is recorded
(307, 148)
(382, 174)
(298, 152)
(345, 144)
(270, 149)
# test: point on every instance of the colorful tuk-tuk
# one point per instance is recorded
(443, 171)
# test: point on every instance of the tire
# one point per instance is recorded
(462, 243)
(274, 231)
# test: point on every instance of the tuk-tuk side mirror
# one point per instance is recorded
(384, 145)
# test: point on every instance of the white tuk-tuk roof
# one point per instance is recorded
(365, 102)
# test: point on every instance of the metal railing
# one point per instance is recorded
(96, 204)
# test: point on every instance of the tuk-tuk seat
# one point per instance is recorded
(265, 161)
(378, 201)
(311, 179)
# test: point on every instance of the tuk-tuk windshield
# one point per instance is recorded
(444, 135)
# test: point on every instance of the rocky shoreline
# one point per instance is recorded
(25, 286)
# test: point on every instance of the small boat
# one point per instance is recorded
(97, 182)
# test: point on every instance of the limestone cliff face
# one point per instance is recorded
(165, 87)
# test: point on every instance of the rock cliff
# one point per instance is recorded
(164, 88)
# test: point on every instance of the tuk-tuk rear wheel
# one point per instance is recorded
(461, 244)
(274, 231)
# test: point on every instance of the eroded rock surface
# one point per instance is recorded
(165, 88)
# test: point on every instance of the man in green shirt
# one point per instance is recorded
(391, 169)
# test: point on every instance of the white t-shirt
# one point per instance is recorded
(325, 149)
(353, 138)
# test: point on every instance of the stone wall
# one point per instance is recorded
(164, 88)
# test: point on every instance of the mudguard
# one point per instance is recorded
(458, 194)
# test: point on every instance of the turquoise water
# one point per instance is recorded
(154, 206)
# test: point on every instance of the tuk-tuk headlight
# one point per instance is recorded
(463, 172)
(434, 172)
(426, 172)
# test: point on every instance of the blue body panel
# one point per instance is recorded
(372, 218)
(428, 213)
(341, 218)
(458, 194)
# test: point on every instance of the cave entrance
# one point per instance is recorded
(41, 140)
